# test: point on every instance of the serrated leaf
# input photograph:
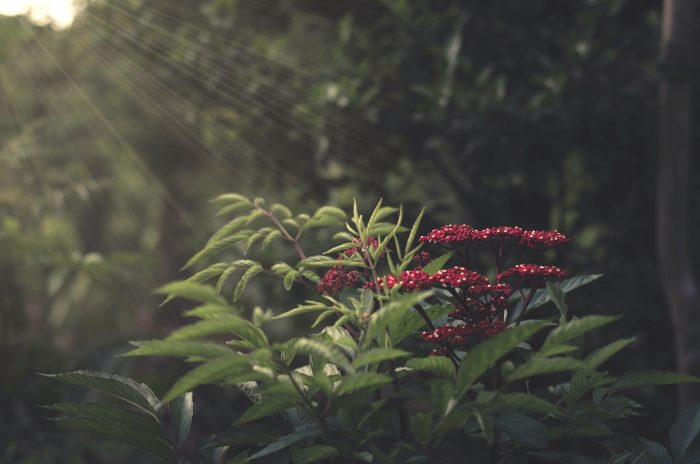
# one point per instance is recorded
(441, 366)
(314, 453)
(280, 211)
(486, 354)
(232, 208)
(208, 311)
(414, 231)
(601, 355)
(191, 291)
(301, 432)
(224, 278)
(323, 350)
(252, 434)
(255, 237)
(275, 398)
(643, 378)
(413, 321)
(539, 366)
(227, 229)
(377, 355)
(309, 307)
(114, 431)
(362, 380)
(525, 402)
(200, 349)
(218, 246)
(522, 429)
(123, 388)
(575, 328)
(208, 272)
(684, 430)
(438, 263)
(221, 325)
(275, 234)
(390, 315)
(230, 198)
(212, 371)
(245, 278)
(117, 414)
(556, 294)
(542, 297)
(289, 279)
(181, 411)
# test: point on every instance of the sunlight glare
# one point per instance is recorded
(59, 13)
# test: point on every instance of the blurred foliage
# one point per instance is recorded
(115, 132)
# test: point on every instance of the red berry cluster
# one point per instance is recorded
(452, 234)
(463, 335)
(338, 278)
(458, 277)
(531, 275)
(421, 259)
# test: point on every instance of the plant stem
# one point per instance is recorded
(285, 233)
(314, 413)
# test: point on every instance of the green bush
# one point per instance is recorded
(407, 358)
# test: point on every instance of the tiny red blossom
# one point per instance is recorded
(449, 234)
(415, 280)
(458, 277)
(462, 335)
(541, 239)
(496, 234)
(388, 281)
(531, 275)
(489, 289)
(421, 259)
(336, 279)
(372, 242)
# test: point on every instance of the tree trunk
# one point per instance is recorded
(679, 282)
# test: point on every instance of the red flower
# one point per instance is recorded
(421, 259)
(489, 290)
(415, 280)
(448, 235)
(336, 279)
(372, 242)
(388, 281)
(496, 234)
(531, 275)
(464, 335)
(541, 239)
(458, 277)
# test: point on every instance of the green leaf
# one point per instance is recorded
(181, 410)
(309, 307)
(115, 431)
(378, 355)
(249, 274)
(123, 388)
(209, 311)
(208, 272)
(200, 349)
(413, 321)
(299, 433)
(212, 371)
(275, 398)
(252, 434)
(522, 429)
(289, 279)
(486, 354)
(583, 381)
(117, 414)
(542, 297)
(525, 402)
(230, 198)
(331, 211)
(643, 378)
(275, 234)
(227, 229)
(314, 453)
(280, 211)
(441, 366)
(575, 328)
(601, 355)
(221, 325)
(540, 366)
(191, 291)
(656, 450)
(684, 430)
(233, 207)
(435, 265)
(414, 231)
(325, 350)
(362, 380)
(218, 246)
(556, 294)
(390, 315)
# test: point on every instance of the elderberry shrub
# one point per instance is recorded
(413, 356)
